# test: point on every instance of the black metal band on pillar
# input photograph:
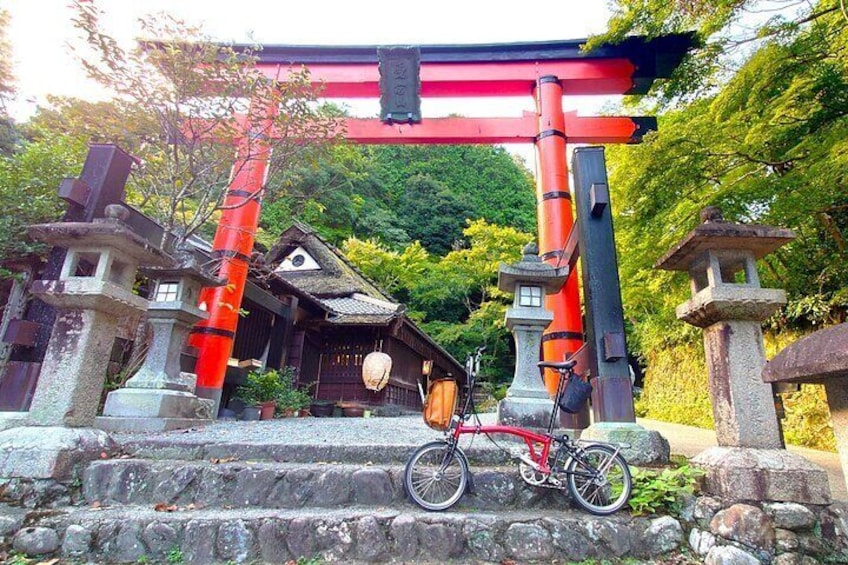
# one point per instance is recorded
(218, 254)
(213, 331)
(562, 335)
(548, 78)
(556, 194)
(549, 133)
(243, 193)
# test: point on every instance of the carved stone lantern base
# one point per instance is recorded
(744, 473)
(643, 446)
(153, 410)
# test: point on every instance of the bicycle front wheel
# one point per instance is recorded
(436, 476)
(599, 480)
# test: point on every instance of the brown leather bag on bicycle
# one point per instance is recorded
(441, 403)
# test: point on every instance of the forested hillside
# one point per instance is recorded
(756, 122)
(401, 194)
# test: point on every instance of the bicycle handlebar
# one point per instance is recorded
(560, 366)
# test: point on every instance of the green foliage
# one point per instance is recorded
(432, 214)
(175, 556)
(454, 298)
(808, 421)
(398, 194)
(662, 492)
(395, 272)
(675, 387)
(310, 561)
(28, 189)
(271, 384)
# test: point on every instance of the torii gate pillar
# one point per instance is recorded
(555, 220)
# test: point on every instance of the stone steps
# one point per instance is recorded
(482, 452)
(348, 535)
(245, 484)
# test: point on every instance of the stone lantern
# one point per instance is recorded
(93, 293)
(729, 304)
(160, 396)
(527, 401)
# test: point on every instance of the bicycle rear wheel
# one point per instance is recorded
(436, 476)
(599, 480)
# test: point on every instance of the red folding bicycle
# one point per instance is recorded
(595, 473)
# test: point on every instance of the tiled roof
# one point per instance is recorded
(352, 305)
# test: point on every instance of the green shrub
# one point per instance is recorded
(665, 491)
(807, 420)
(271, 384)
(676, 388)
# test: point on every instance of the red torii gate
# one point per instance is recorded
(545, 70)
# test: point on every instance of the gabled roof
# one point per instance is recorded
(337, 277)
(347, 296)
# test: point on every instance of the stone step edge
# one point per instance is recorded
(295, 453)
(141, 512)
(277, 465)
(272, 485)
(346, 535)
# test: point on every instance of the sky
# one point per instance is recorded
(40, 32)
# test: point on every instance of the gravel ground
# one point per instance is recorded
(402, 430)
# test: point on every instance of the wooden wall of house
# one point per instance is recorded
(406, 372)
(309, 360)
(252, 332)
(344, 351)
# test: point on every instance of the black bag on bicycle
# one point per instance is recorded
(576, 393)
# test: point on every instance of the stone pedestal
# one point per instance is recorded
(50, 452)
(160, 396)
(73, 372)
(527, 402)
(742, 473)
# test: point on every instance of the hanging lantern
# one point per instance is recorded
(376, 370)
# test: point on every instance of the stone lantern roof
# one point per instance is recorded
(531, 269)
(716, 234)
(103, 233)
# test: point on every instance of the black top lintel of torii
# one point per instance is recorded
(653, 58)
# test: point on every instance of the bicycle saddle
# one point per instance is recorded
(558, 365)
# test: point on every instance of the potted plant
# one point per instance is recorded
(262, 389)
(290, 399)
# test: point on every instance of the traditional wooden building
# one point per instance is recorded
(310, 308)
(305, 306)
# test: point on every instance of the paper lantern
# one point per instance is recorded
(376, 370)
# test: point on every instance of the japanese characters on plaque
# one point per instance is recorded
(400, 84)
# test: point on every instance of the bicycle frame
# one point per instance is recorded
(538, 445)
(538, 457)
